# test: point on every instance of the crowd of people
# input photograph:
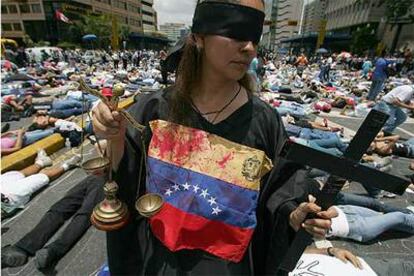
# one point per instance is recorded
(239, 106)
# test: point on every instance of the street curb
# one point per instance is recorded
(51, 144)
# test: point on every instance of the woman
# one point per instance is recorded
(215, 219)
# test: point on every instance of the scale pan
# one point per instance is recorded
(149, 204)
(96, 166)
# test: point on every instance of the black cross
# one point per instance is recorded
(347, 167)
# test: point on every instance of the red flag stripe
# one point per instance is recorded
(190, 231)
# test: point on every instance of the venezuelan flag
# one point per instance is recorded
(210, 187)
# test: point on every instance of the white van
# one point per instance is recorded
(36, 53)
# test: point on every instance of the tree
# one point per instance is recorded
(397, 13)
(363, 39)
(124, 32)
(97, 25)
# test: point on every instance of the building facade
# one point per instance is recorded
(268, 37)
(173, 31)
(36, 18)
(345, 14)
(313, 13)
(288, 16)
(149, 16)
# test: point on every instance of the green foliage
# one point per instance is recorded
(124, 32)
(27, 40)
(67, 45)
(42, 43)
(97, 25)
(363, 39)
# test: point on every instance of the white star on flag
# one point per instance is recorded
(204, 193)
(176, 187)
(168, 192)
(212, 200)
(216, 211)
(196, 188)
(186, 186)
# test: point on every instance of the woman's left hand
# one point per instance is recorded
(317, 227)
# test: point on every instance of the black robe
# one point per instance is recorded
(134, 250)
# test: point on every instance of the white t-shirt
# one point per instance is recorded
(339, 226)
(64, 125)
(18, 188)
(404, 93)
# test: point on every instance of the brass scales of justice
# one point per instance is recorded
(112, 214)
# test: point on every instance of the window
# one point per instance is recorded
(133, 8)
(123, 20)
(6, 26)
(17, 27)
(24, 8)
(146, 4)
(135, 22)
(12, 9)
(147, 22)
(36, 8)
(120, 4)
(4, 10)
(147, 13)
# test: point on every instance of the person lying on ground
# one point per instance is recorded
(18, 186)
(11, 144)
(365, 224)
(77, 204)
(304, 123)
(44, 121)
(390, 145)
(13, 141)
(18, 103)
(65, 108)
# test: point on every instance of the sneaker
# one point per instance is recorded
(43, 159)
(12, 256)
(45, 258)
(386, 194)
(386, 168)
(5, 128)
(383, 162)
(411, 208)
(71, 162)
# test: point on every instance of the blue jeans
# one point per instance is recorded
(410, 144)
(366, 224)
(87, 97)
(344, 198)
(291, 110)
(397, 115)
(332, 146)
(293, 130)
(66, 104)
(375, 89)
(311, 134)
(32, 136)
(65, 113)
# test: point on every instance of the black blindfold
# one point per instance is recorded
(229, 20)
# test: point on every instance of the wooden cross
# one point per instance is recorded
(348, 167)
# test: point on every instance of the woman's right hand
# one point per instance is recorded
(108, 124)
(345, 256)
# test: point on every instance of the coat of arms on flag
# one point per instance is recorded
(210, 186)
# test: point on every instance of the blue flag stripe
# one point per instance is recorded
(202, 195)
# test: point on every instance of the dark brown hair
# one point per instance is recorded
(188, 77)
